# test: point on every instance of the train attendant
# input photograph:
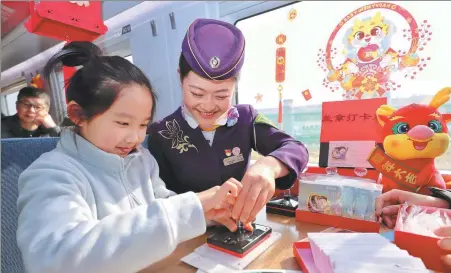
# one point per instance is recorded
(96, 202)
(208, 141)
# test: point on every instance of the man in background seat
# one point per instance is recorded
(32, 118)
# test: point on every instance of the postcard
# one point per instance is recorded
(351, 154)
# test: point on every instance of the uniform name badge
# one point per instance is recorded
(232, 159)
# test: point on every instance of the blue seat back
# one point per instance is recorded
(17, 155)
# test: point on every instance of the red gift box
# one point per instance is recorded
(67, 21)
(304, 257)
(337, 221)
(423, 247)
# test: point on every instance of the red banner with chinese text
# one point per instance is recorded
(396, 171)
(280, 64)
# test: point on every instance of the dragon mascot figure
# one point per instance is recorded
(414, 136)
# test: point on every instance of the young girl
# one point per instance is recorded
(96, 202)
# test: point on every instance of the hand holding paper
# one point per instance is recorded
(388, 204)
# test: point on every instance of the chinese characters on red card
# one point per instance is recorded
(352, 120)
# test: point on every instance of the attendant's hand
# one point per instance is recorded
(388, 204)
(225, 219)
(258, 188)
(248, 225)
(445, 244)
(216, 201)
(45, 119)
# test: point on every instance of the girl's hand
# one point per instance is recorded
(216, 201)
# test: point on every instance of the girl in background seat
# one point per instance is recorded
(96, 203)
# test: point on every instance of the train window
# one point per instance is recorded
(8, 104)
(305, 37)
(8, 96)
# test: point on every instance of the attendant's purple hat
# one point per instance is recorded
(214, 49)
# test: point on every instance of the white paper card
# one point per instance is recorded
(350, 153)
(206, 264)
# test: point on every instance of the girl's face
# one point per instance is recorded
(123, 126)
(205, 99)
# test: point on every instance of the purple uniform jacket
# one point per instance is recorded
(188, 163)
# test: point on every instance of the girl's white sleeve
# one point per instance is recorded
(158, 185)
(58, 233)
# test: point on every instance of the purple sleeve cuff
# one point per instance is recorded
(271, 141)
(295, 157)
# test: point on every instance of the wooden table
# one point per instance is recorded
(278, 256)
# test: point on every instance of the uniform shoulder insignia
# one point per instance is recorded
(262, 119)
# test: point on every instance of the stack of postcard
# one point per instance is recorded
(350, 197)
(360, 252)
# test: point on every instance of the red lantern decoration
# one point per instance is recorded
(67, 21)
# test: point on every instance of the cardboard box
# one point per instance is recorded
(423, 247)
(304, 257)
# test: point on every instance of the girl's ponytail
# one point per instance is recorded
(96, 85)
(73, 54)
